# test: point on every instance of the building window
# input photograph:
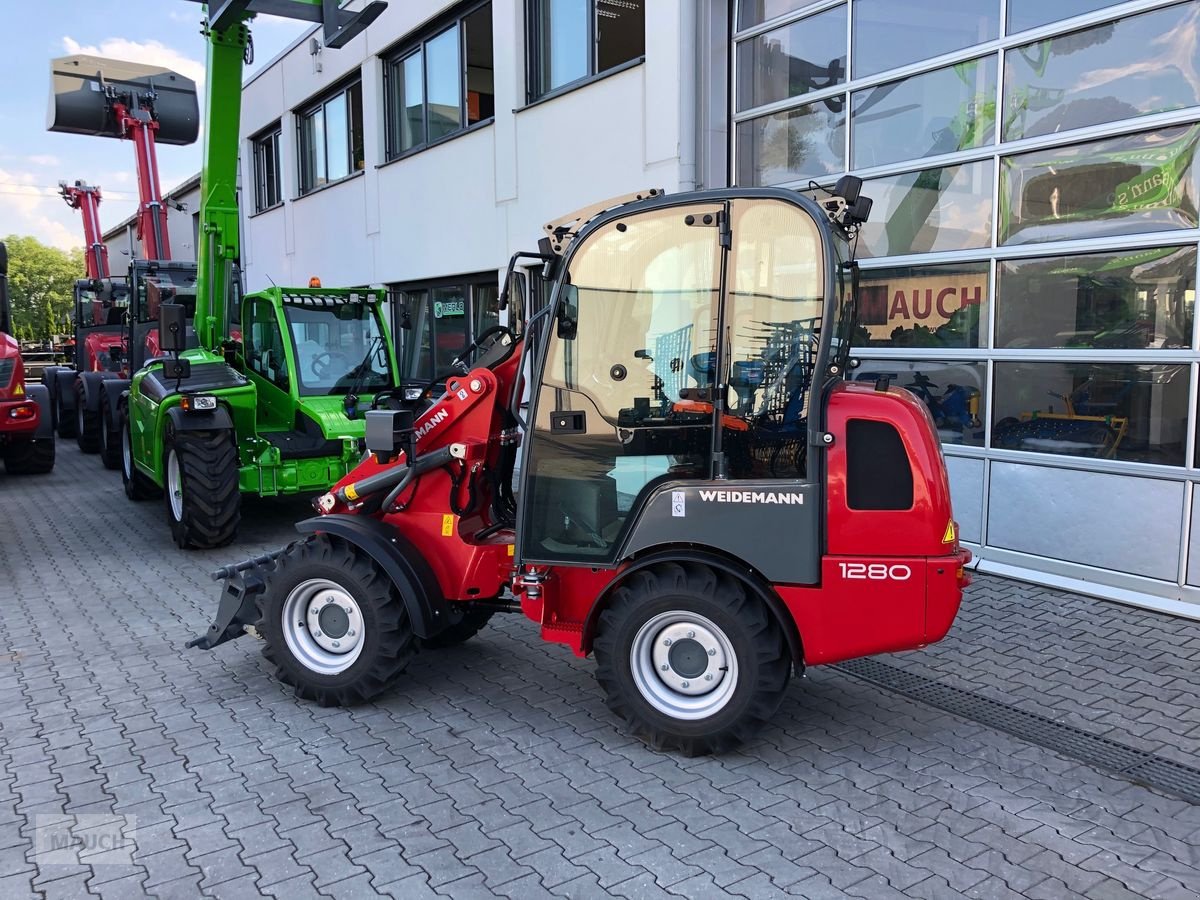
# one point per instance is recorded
(441, 83)
(267, 188)
(571, 40)
(331, 138)
(436, 320)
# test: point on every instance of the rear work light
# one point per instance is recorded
(198, 403)
(24, 411)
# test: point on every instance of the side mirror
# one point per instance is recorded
(172, 326)
(568, 312)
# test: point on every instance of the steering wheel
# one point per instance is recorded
(328, 364)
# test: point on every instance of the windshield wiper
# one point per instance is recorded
(350, 402)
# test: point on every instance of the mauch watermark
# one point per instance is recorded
(91, 840)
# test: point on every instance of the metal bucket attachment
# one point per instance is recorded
(83, 89)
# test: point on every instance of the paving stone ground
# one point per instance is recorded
(495, 769)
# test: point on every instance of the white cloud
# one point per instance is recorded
(45, 159)
(26, 207)
(154, 53)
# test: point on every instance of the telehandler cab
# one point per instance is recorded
(703, 500)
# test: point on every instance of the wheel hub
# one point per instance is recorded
(323, 626)
(684, 665)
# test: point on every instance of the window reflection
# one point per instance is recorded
(1123, 185)
(1136, 299)
(805, 56)
(952, 390)
(926, 115)
(1101, 410)
(923, 306)
(888, 34)
(921, 212)
(1118, 70)
(754, 12)
(806, 142)
(1025, 14)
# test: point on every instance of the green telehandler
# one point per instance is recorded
(277, 407)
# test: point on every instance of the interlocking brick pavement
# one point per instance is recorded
(495, 769)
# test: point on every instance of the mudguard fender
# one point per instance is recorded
(200, 421)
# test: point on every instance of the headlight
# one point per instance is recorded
(413, 393)
(198, 403)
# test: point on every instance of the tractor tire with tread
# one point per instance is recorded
(205, 506)
(110, 435)
(64, 421)
(87, 423)
(33, 456)
(461, 631)
(137, 486)
(736, 639)
(384, 645)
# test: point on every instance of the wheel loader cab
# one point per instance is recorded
(633, 440)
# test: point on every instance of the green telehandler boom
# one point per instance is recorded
(275, 408)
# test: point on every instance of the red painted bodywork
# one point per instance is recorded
(155, 244)
(19, 416)
(86, 199)
(839, 618)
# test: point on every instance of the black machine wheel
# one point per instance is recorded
(461, 631)
(137, 486)
(64, 420)
(31, 456)
(334, 624)
(204, 504)
(110, 435)
(690, 659)
(87, 423)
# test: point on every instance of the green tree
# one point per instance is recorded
(41, 284)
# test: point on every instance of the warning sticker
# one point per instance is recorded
(678, 501)
(447, 525)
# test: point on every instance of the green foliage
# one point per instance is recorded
(41, 283)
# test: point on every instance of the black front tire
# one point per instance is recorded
(749, 644)
(461, 631)
(206, 508)
(137, 486)
(87, 423)
(388, 643)
(110, 435)
(64, 419)
(31, 456)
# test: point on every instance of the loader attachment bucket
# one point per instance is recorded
(83, 89)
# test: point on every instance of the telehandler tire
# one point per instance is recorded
(137, 486)
(461, 631)
(203, 501)
(110, 435)
(334, 623)
(32, 456)
(87, 423)
(691, 659)
(64, 420)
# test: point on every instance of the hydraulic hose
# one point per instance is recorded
(398, 475)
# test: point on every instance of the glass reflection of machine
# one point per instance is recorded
(1088, 426)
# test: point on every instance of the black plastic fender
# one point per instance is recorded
(50, 380)
(64, 391)
(200, 421)
(428, 610)
(91, 382)
(111, 392)
(40, 395)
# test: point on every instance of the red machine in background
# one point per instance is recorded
(26, 437)
(147, 106)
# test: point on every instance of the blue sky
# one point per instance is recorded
(33, 161)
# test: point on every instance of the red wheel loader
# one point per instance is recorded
(26, 432)
(702, 501)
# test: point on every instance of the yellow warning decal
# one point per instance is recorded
(447, 525)
(19, 390)
(511, 549)
(948, 537)
(350, 492)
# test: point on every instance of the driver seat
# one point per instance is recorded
(306, 352)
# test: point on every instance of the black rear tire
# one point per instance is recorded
(385, 643)
(87, 423)
(110, 434)
(137, 486)
(32, 456)
(206, 510)
(461, 631)
(727, 639)
(64, 418)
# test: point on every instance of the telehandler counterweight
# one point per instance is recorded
(703, 500)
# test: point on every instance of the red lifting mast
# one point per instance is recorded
(138, 124)
(86, 199)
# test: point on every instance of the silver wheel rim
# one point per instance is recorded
(175, 485)
(126, 455)
(322, 626)
(684, 665)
